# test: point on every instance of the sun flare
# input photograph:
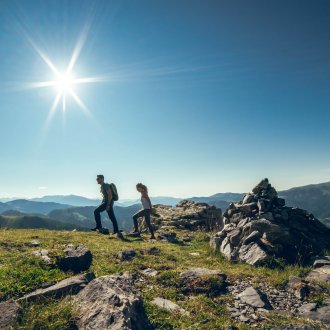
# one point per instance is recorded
(64, 82)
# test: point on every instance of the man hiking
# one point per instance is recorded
(108, 192)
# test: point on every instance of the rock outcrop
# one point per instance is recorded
(189, 215)
(67, 286)
(260, 228)
(110, 302)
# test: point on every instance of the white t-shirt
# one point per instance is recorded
(145, 203)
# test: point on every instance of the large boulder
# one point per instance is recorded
(260, 230)
(110, 302)
(75, 259)
(71, 285)
(9, 312)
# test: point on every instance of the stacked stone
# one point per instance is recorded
(189, 215)
(260, 229)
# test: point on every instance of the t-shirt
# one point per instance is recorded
(145, 203)
(104, 188)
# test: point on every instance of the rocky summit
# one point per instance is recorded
(261, 230)
(188, 215)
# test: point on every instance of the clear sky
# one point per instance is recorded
(192, 98)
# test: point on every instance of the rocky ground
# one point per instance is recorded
(73, 280)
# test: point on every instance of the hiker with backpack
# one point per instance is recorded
(110, 195)
(145, 212)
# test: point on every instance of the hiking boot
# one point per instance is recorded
(120, 235)
(96, 228)
(134, 234)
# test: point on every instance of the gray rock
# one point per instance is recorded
(243, 318)
(168, 236)
(154, 251)
(252, 237)
(298, 287)
(43, 254)
(306, 308)
(253, 254)
(321, 262)
(169, 305)
(110, 302)
(248, 198)
(70, 285)
(226, 248)
(254, 298)
(215, 243)
(234, 237)
(248, 208)
(34, 243)
(263, 205)
(126, 255)
(321, 274)
(75, 259)
(149, 272)
(9, 312)
(310, 311)
(203, 280)
(295, 327)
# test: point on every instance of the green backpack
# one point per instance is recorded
(114, 191)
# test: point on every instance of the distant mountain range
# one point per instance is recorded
(78, 210)
(27, 206)
(72, 200)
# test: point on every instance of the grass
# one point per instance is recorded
(21, 272)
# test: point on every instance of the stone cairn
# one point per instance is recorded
(188, 215)
(261, 230)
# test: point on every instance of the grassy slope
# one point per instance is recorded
(20, 272)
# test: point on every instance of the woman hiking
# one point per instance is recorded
(145, 212)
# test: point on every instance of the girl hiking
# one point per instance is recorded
(145, 212)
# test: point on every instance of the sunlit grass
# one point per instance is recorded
(21, 272)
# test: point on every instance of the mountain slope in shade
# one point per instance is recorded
(4, 207)
(33, 222)
(315, 198)
(26, 206)
(84, 216)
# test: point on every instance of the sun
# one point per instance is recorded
(64, 82)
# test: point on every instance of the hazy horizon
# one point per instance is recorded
(137, 196)
(191, 98)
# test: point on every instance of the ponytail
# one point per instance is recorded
(143, 187)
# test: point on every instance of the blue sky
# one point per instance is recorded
(197, 97)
